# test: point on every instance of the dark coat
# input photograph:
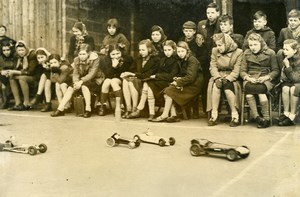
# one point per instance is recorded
(238, 39)
(116, 39)
(292, 73)
(267, 34)
(111, 72)
(73, 46)
(62, 75)
(285, 33)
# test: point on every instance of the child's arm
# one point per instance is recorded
(238, 55)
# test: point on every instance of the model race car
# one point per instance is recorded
(116, 139)
(204, 146)
(9, 145)
(149, 137)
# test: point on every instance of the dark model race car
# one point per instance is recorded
(116, 139)
(9, 145)
(149, 137)
(204, 146)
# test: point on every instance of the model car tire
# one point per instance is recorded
(32, 150)
(131, 145)
(196, 150)
(232, 155)
(43, 148)
(137, 143)
(162, 142)
(111, 142)
(172, 141)
(244, 156)
(137, 138)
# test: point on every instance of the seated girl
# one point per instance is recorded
(185, 86)
(112, 66)
(289, 62)
(259, 70)
(86, 78)
(224, 68)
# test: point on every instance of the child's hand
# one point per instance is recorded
(115, 62)
(263, 79)
(250, 79)
(199, 40)
(218, 83)
(77, 85)
(152, 76)
(286, 62)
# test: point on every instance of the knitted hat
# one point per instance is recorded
(189, 25)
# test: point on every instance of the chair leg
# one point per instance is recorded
(243, 109)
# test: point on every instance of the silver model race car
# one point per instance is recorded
(149, 137)
(204, 146)
(116, 139)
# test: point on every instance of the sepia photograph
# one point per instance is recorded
(144, 98)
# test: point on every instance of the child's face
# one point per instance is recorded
(41, 58)
(212, 14)
(226, 27)
(156, 36)
(294, 22)
(168, 50)
(76, 31)
(21, 51)
(6, 51)
(259, 23)
(143, 50)
(189, 33)
(181, 52)
(111, 30)
(288, 51)
(54, 63)
(2, 31)
(115, 54)
(220, 46)
(83, 55)
(254, 46)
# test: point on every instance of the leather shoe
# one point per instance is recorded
(282, 117)
(151, 117)
(173, 119)
(160, 119)
(263, 124)
(234, 122)
(57, 113)
(212, 122)
(102, 110)
(87, 114)
(286, 122)
(135, 114)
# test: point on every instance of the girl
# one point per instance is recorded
(158, 37)
(80, 36)
(147, 65)
(60, 74)
(289, 62)
(185, 86)
(44, 84)
(113, 37)
(152, 88)
(112, 66)
(224, 68)
(259, 70)
(8, 61)
(86, 77)
(23, 74)
(4, 38)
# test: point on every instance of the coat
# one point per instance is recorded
(285, 33)
(238, 39)
(261, 64)
(111, 72)
(267, 34)
(116, 39)
(225, 66)
(73, 48)
(62, 75)
(189, 82)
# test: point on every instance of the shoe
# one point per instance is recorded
(281, 118)
(160, 119)
(135, 114)
(87, 114)
(212, 122)
(102, 110)
(20, 107)
(263, 124)
(47, 108)
(25, 108)
(57, 113)
(126, 114)
(36, 100)
(259, 120)
(286, 122)
(173, 119)
(234, 122)
(151, 117)
(5, 105)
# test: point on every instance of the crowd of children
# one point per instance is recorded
(209, 60)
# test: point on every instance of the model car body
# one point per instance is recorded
(204, 146)
(149, 137)
(116, 139)
(27, 149)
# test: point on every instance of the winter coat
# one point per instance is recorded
(63, 74)
(74, 46)
(238, 39)
(286, 33)
(267, 34)
(116, 39)
(125, 64)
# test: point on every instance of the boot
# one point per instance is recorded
(47, 107)
(102, 108)
(36, 100)
(5, 100)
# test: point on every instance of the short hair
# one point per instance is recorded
(113, 22)
(213, 5)
(294, 13)
(225, 18)
(112, 47)
(151, 48)
(85, 47)
(184, 45)
(259, 14)
(170, 43)
(293, 43)
(55, 56)
(41, 52)
(3, 27)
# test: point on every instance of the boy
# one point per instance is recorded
(259, 24)
(292, 31)
(226, 26)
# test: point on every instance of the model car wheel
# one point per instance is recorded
(172, 141)
(244, 156)
(137, 138)
(137, 143)
(231, 155)
(111, 142)
(32, 150)
(131, 145)
(162, 142)
(196, 150)
(43, 148)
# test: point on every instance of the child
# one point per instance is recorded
(292, 31)
(22, 75)
(261, 28)
(259, 70)
(114, 36)
(112, 66)
(226, 26)
(80, 36)
(185, 86)
(289, 61)
(60, 74)
(8, 61)
(4, 38)
(44, 84)
(147, 65)
(86, 77)
(158, 37)
(224, 68)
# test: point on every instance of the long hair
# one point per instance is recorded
(151, 49)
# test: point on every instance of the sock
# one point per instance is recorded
(292, 116)
(235, 115)
(286, 113)
(214, 114)
(252, 104)
(265, 109)
(151, 103)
